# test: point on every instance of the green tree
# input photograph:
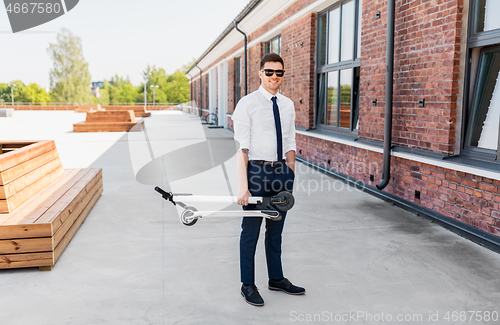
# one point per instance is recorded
(186, 67)
(172, 88)
(118, 90)
(34, 94)
(104, 92)
(128, 93)
(157, 77)
(3, 92)
(178, 87)
(70, 76)
(6, 91)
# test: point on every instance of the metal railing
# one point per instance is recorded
(55, 106)
(2, 104)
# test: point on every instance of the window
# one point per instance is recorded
(337, 72)
(273, 46)
(482, 112)
(485, 15)
(237, 80)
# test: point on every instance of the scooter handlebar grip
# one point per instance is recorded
(161, 191)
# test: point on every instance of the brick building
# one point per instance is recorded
(446, 96)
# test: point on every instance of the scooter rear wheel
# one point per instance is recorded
(186, 216)
(287, 201)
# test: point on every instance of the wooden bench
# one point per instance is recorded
(89, 108)
(44, 205)
(109, 121)
(139, 111)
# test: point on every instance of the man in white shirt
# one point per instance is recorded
(264, 125)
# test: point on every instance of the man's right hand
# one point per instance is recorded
(243, 196)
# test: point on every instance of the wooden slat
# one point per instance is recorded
(108, 127)
(4, 206)
(26, 260)
(15, 144)
(50, 199)
(60, 211)
(25, 231)
(8, 190)
(11, 174)
(72, 231)
(75, 214)
(76, 203)
(110, 116)
(23, 195)
(60, 201)
(138, 110)
(26, 245)
(16, 157)
(30, 205)
(18, 142)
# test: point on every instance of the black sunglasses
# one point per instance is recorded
(270, 72)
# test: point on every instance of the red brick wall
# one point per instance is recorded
(205, 92)
(231, 71)
(285, 14)
(255, 54)
(472, 199)
(426, 65)
(298, 46)
(196, 92)
(202, 101)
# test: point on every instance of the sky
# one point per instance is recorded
(119, 37)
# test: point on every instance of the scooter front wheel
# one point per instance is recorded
(187, 216)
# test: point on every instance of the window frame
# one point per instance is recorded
(481, 38)
(321, 71)
(488, 41)
(267, 45)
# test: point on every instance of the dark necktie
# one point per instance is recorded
(277, 123)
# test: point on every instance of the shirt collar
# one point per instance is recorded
(267, 94)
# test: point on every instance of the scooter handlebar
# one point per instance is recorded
(161, 191)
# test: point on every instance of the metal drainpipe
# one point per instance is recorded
(389, 83)
(200, 88)
(246, 65)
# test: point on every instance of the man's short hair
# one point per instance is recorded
(271, 57)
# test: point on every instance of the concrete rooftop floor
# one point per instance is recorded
(361, 260)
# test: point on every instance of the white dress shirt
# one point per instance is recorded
(254, 126)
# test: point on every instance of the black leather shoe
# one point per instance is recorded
(251, 295)
(286, 286)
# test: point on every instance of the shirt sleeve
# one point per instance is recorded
(290, 139)
(242, 124)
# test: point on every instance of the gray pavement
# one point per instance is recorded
(361, 260)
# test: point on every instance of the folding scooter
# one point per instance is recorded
(267, 207)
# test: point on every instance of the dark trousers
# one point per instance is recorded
(263, 180)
